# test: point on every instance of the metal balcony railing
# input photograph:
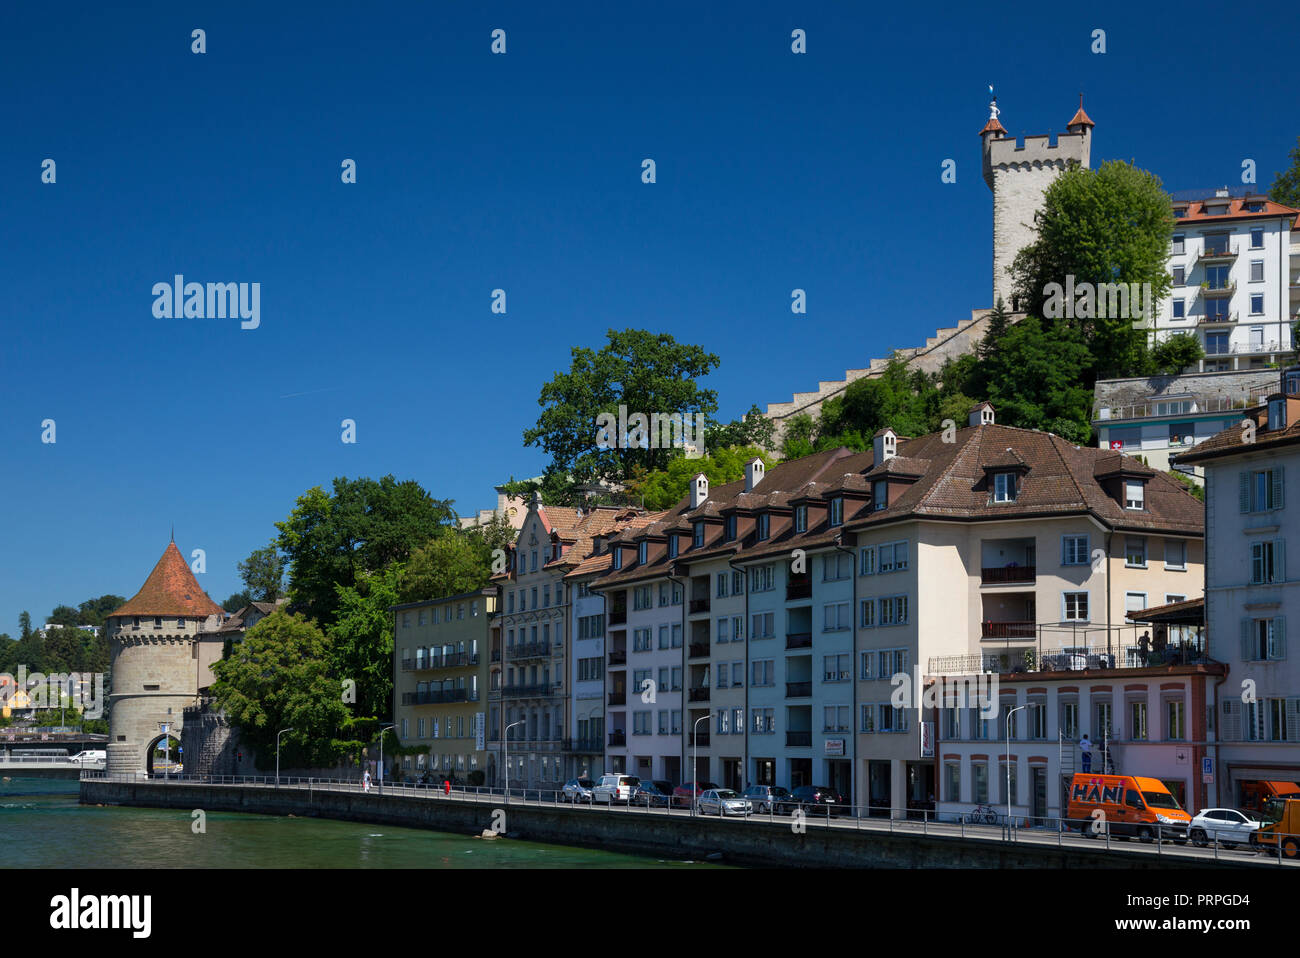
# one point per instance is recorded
(798, 640)
(699, 650)
(618, 657)
(699, 694)
(436, 698)
(798, 739)
(798, 690)
(617, 616)
(617, 738)
(798, 589)
(528, 650)
(1013, 573)
(618, 698)
(699, 605)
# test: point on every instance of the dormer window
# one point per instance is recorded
(135, 622)
(672, 546)
(1134, 494)
(764, 525)
(1276, 414)
(1292, 384)
(837, 511)
(641, 552)
(731, 528)
(618, 558)
(157, 622)
(1004, 487)
(699, 534)
(879, 495)
(800, 518)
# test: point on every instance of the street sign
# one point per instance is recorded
(1207, 770)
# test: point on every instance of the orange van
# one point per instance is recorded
(1129, 805)
(1254, 795)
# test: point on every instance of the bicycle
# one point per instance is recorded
(982, 815)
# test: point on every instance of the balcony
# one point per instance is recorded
(583, 745)
(436, 697)
(496, 655)
(798, 640)
(618, 698)
(617, 739)
(618, 617)
(1219, 291)
(798, 589)
(618, 657)
(1121, 655)
(1008, 630)
(699, 694)
(1217, 319)
(456, 660)
(1217, 255)
(699, 738)
(537, 691)
(699, 605)
(699, 650)
(798, 690)
(798, 739)
(1011, 573)
(528, 650)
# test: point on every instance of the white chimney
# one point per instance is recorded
(753, 474)
(885, 445)
(699, 490)
(981, 415)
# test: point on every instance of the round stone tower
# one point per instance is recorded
(156, 644)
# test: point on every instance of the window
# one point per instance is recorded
(533, 567)
(1260, 490)
(1175, 720)
(868, 619)
(869, 561)
(1137, 721)
(699, 534)
(730, 528)
(1134, 494)
(979, 775)
(837, 511)
(617, 558)
(722, 629)
(1179, 307)
(1257, 273)
(1176, 555)
(952, 781)
(672, 546)
(1256, 238)
(721, 580)
(837, 617)
(677, 635)
(1277, 414)
(1179, 277)
(1036, 719)
(157, 622)
(640, 640)
(1179, 243)
(1216, 344)
(764, 672)
(1257, 307)
(764, 625)
(1004, 487)
(641, 598)
(764, 526)
(1135, 552)
(737, 628)
(879, 495)
(1074, 606)
(800, 518)
(737, 582)
(1070, 720)
(836, 566)
(764, 721)
(1267, 562)
(762, 578)
(1074, 550)
(893, 557)
(893, 610)
(510, 602)
(640, 556)
(835, 668)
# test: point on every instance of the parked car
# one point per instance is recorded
(653, 794)
(814, 797)
(686, 794)
(615, 787)
(723, 801)
(1226, 825)
(765, 797)
(90, 757)
(578, 790)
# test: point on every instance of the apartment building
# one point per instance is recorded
(1157, 417)
(439, 676)
(1248, 592)
(992, 552)
(1235, 284)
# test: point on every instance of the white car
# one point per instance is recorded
(723, 801)
(615, 787)
(1226, 825)
(578, 790)
(90, 757)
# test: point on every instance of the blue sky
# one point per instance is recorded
(522, 172)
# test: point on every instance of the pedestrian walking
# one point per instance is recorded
(365, 780)
(1085, 749)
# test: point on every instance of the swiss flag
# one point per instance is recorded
(1116, 444)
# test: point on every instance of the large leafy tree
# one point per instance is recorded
(64, 615)
(646, 373)
(665, 487)
(1286, 184)
(333, 538)
(361, 640)
(1107, 225)
(96, 611)
(277, 678)
(263, 573)
(450, 564)
(238, 600)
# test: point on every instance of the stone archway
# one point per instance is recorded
(154, 750)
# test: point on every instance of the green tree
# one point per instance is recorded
(361, 639)
(97, 611)
(278, 678)
(1176, 353)
(996, 327)
(664, 488)
(263, 574)
(63, 615)
(24, 624)
(364, 525)
(449, 564)
(1109, 225)
(645, 372)
(237, 601)
(1286, 184)
(753, 430)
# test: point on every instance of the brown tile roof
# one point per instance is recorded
(1231, 442)
(1236, 210)
(599, 521)
(171, 590)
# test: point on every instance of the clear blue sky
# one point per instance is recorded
(521, 171)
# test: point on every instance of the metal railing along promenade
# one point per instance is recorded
(1047, 831)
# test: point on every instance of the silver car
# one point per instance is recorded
(578, 790)
(1226, 825)
(723, 801)
(764, 797)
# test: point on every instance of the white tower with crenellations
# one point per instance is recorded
(1019, 174)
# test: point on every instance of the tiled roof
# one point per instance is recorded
(1080, 117)
(1231, 441)
(1196, 210)
(171, 590)
(599, 521)
(993, 126)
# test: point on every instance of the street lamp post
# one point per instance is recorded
(381, 755)
(505, 744)
(695, 753)
(1008, 763)
(277, 754)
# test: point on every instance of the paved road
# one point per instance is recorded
(992, 833)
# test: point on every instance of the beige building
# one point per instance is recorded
(440, 666)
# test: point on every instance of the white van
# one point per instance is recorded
(615, 788)
(90, 757)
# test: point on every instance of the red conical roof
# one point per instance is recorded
(1080, 117)
(993, 126)
(170, 590)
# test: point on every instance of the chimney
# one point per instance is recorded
(885, 445)
(753, 473)
(980, 415)
(699, 490)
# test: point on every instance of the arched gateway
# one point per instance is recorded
(163, 644)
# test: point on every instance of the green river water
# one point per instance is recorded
(43, 826)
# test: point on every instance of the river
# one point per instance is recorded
(44, 826)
